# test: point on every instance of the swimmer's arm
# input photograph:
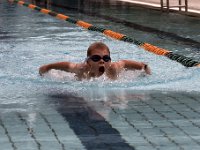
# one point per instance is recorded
(64, 66)
(132, 65)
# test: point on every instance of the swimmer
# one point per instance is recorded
(97, 63)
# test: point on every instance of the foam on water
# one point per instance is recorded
(182, 80)
(46, 40)
(20, 70)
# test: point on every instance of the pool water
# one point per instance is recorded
(29, 39)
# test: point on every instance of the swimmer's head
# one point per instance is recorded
(98, 46)
(98, 57)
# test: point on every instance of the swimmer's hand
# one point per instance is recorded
(43, 69)
(147, 69)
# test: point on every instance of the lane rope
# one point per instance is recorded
(186, 61)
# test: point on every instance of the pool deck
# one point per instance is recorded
(193, 5)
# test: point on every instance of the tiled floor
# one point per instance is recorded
(153, 120)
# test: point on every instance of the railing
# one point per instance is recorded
(167, 6)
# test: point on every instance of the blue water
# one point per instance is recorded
(29, 39)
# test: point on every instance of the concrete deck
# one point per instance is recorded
(193, 5)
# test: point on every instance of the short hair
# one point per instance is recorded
(97, 45)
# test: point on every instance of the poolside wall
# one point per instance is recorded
(193, 5)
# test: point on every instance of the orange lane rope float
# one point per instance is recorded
(188, 62)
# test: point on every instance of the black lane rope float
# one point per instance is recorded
(188, 62)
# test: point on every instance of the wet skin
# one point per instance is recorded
(98, 68)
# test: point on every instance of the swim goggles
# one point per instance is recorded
(97, 58)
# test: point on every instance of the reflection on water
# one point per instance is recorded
(91, 128)
(28, 43)
(175, 36)
(118, 98)
(98, 111)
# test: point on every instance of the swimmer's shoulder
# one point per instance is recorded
(119, 65)
(80, 68)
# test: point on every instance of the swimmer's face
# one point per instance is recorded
(99, 60)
